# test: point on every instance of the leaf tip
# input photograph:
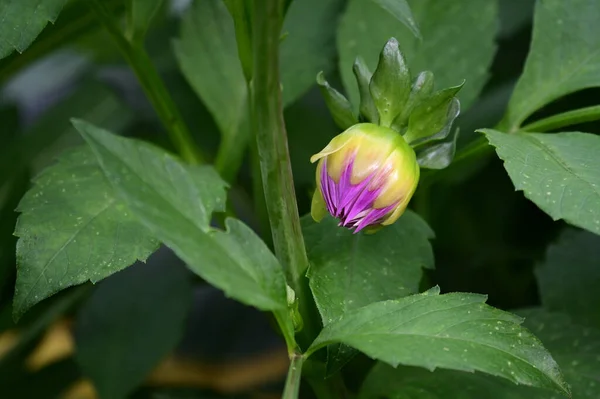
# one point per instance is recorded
(321, 81)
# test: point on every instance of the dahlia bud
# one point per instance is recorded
(365, 177)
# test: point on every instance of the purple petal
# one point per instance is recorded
(374, 217)
(351, 203)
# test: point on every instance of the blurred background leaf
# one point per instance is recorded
(208, 57)
(564, 57)
(23, 20)
(147, 309)
(568, 278)
(305, 52)
(458, 41)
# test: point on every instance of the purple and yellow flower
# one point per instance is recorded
(365, 177)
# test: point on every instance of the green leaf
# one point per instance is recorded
(385, 381)
(571, 346)
(306, 51)
(455, 331)
(207, 55)
(559, 172)
(148, 305)
(438, 155)
(390, 84)
(75, 25)
(348, 271)
(33, 325)
(575, 348)
(568, 279)
(242, 19)
(175, 201)
(401, 11)
(45, 139)
(340, 108)
(12, 192)
(458, 41)
(139, 16)
(367, 107)
(23, 20)
(564, 57)
(432, 118)
(73, 229)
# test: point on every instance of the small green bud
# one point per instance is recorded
(366, 176)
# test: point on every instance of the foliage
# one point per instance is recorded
(157, 157)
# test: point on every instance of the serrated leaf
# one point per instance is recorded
(148, 305)
(569, 277)
(458, 41)
(338, 105)
(571, 345)
(455, 331)
(559, 172)
(348, 270)
(390, 84)
(564, 57)
(306, 51)
(23, 20)
(401, 11)
(73, 229)
(175, 201)
(206, 51)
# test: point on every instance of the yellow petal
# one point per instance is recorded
(336, 144)
(396, 214)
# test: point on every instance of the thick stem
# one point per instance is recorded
(588, 114)
(292, 382)
(276, 171)
(153, 86)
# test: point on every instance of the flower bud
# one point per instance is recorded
(365, 177)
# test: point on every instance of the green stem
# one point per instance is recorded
(152, 85)
(292, 382)
(475, 147)
(276, 170)
(588, 114)
(260, 204)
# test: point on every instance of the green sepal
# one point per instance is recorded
(438, 155)
(390, 86)
(338, 105)
(432, 118)
(422, 88)
(367, 108)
